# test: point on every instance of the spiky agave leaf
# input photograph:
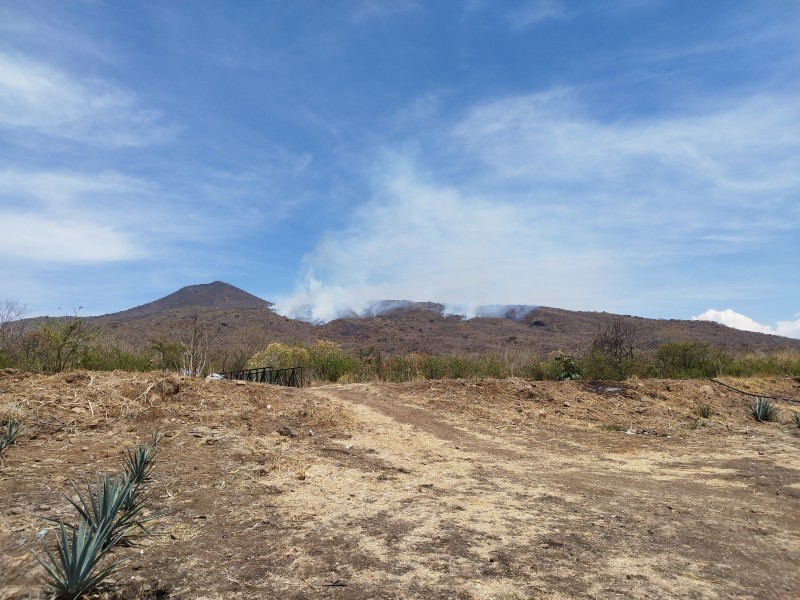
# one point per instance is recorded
(140, 462)
(72, 570)
(103, 507)
(763, 410)
(12, 429)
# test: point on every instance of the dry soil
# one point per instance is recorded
(507, 489)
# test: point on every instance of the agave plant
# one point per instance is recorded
(73, 568)
(797, 419)
(7, 439)
(704, 410)
(140, 462)
(107, 508)
(763, 410)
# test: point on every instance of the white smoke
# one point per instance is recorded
(427, 243)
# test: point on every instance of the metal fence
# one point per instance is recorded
(292, 377)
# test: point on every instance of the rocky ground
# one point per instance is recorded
(509, 489)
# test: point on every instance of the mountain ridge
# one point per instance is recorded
(235, 318)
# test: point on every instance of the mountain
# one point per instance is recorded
(236, 321)
(218, 294)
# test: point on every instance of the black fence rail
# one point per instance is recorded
(292, 377)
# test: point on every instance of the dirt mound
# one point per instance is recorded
(433, 489)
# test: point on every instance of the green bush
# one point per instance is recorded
(565, 367)
(686, 360)
(103, 357)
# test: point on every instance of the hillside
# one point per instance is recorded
(232, 317)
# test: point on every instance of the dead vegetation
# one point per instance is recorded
(467, 489)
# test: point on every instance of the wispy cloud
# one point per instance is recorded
(536, 11)
(39, 98)
(366, 10)
(30, 237)
(66, 217)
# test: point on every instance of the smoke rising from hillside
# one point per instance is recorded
(533, 199)
(421, 243)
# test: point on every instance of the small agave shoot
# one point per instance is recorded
(7, 439)
(763, 410)
(704, 410)
(140, 462)
(797, 419)
(72, 569)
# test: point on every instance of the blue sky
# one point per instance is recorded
(631, 156)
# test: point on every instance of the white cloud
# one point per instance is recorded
(736, 320)
(40, 98)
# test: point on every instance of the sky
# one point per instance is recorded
(631, 156)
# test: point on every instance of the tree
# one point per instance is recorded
(54, 345)
(169, 354)
(195, 351)
(614, 350)
(12, 327)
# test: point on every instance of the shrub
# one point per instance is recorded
(327, 361)
(565, 367)
(684, 360)
(280, 356)
(763, 410)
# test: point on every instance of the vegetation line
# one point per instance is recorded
(796, 401)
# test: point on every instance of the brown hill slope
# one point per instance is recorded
(233, 317)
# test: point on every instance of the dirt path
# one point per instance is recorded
(581, 513)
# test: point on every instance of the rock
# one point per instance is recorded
(240, 382)
(170, 386)
(286, 431)
(706, 390)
